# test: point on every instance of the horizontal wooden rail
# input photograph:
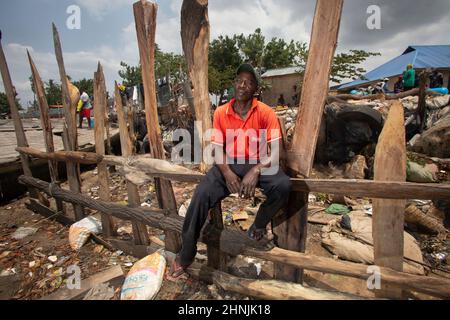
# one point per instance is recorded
(348, 187)
(235, 242)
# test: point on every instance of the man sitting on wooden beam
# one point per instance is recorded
(245, 131)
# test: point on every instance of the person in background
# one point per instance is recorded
(398, 86)
(85, 107)
(281, 101)
(409, 78)
(436, 79)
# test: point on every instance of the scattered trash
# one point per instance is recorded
(80, 231)
(337, 208)
(145, 278)
(183, 209)
(227, 218)
(53, 259)
(240, 215)
(23, 232)
(312, 198)
(4, 254)
(31, 264)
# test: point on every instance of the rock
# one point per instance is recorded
(356, 169)
(23, 232)
(435, 142)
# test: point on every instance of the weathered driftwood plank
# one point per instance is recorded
(235, 242)
(388, 214)
(145, 21)
(100, 103)
(195, 38)
(139, 230)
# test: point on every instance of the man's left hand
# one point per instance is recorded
(248, 184)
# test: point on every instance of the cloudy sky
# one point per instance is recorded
(107, 31)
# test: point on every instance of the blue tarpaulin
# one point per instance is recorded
(421, 57)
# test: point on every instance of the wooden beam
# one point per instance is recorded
(145, 21)
(63, 156)
(108, 275)
(388, 215)
(46, 124)
(70, 128)
(290, 227)
(264, 289)
(139, 230)
(347, 187)
(18, 126)
(235, 242)
(100, 102)
(216, 258)
(195, 33)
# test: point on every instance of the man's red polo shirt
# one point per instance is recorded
(245, 138)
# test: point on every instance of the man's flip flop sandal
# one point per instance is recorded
(176, 272)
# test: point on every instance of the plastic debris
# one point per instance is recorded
(337, 208)
(23, 232)
(145, 278)
(80, 231)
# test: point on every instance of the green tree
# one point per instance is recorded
(4, 105)
(252, 48)
(279, 54)
(345, 65)
(131, 75)
(85, 85)
(53, 92)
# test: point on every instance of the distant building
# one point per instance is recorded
(285, 81)
(421, 57)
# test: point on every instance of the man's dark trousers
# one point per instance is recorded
(213, 189)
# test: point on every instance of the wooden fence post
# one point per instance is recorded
(18, 126)
(99, 128)
(139, 230)
(70, 127)
(46, 126)
(388, 214)
(195, 38)
(145, 18)
(290, 229)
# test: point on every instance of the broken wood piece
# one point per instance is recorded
(415, 216)
(111, 274)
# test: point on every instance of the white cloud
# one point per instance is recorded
(99, 8)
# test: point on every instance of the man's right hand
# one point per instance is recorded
(232, 180)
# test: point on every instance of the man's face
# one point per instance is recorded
(245, 86)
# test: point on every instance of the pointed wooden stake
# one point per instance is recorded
(46, 125)
(70, 128)
(18, 126)
(195, 38)
(99, 129)
(388, 214)
(291, 228)
(145, 18)
(139, 230)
